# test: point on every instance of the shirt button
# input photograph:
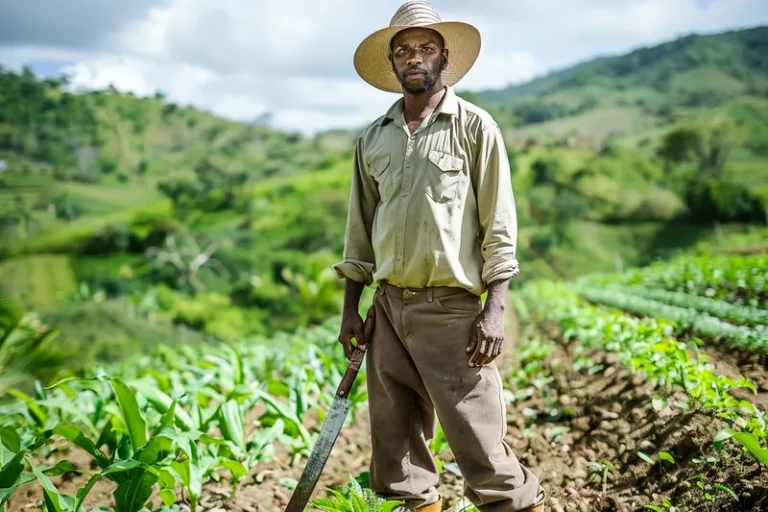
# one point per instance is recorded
(400, 228)
(408, 165)
(405, 194)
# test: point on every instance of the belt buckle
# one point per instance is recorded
(408, 293)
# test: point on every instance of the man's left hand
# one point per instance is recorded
(487, 337)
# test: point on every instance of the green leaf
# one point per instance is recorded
(54, 501)
(667, 457)
(231, 423)
(72, 433)
(722, 436)
(358, 505)
(134, 421)
(162, 403)
(389, 506)
(727, 490)
(236, 468)
(133, 493)
(10, 439)
(646, 458)
(654, 508)
(326, 504)
(751, 443)
(117, 467)
(37, 412)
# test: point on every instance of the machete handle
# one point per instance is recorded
(355, 361)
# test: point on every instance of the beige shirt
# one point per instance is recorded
(432, 208)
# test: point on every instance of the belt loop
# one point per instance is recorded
(430, 293)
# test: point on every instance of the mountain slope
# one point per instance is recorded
(729, 63)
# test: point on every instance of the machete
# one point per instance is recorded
(329, 432)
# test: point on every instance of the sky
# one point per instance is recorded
(292, 59)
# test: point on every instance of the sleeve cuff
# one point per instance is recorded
(359, 271)
(508, 268)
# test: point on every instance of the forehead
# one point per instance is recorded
(416, 36)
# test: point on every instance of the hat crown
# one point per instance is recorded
(415, 13)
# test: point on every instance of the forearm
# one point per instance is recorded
(353, 290)
(497, 295)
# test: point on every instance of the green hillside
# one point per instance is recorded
(189, 221)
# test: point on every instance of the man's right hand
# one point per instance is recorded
(352, 325)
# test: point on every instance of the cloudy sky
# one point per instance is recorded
(293, 58)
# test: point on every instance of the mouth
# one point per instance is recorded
(414, 73)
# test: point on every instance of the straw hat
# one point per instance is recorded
(462, 40)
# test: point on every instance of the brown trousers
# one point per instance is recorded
(417, 374)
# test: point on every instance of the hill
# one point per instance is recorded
(191, 221)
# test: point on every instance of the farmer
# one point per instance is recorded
(432, 223)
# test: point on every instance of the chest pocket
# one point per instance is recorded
(444, 175)
(380, 171)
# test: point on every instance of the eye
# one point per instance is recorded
(428, 49)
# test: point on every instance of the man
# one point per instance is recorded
(432, 222)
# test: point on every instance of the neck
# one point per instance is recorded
(417, 104)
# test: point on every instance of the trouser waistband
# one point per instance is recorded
(420, 293)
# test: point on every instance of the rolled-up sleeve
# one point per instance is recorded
(496, 206)
(358, 262)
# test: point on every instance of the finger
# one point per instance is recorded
(482, 343)
(490, 353)
(344, 339)
(359, 334)
(473, 339)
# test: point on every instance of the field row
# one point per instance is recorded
(646, 347)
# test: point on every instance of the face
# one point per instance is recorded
(418, 57)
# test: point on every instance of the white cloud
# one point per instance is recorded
(241, 58)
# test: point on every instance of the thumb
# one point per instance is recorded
(357, 332)
(473, 339)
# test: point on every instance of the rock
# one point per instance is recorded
(581, 424)
(666, 413)
(607, 425)
(608, 415)
(622, 449)
(565, 400)
(647, 446)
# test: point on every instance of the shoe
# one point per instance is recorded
(434, 507)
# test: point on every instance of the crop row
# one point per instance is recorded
(687, 319)
(734, 313)
(645, 346)
(737, 279)
(175, 420)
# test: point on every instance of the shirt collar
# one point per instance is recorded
(448, 105)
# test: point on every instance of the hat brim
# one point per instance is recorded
(372, 63)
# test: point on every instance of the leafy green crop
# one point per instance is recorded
(174, 419)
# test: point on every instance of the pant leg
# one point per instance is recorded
(402, 415)
(469, 402)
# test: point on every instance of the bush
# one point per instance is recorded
(724, 201)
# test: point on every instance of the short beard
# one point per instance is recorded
(430, 78)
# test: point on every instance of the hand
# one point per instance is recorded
(352, 326)
(487, 337)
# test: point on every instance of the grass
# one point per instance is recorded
(40, 282)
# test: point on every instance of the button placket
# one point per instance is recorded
(406, 184)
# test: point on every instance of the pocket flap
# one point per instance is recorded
(446, 161)
(379, 164)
